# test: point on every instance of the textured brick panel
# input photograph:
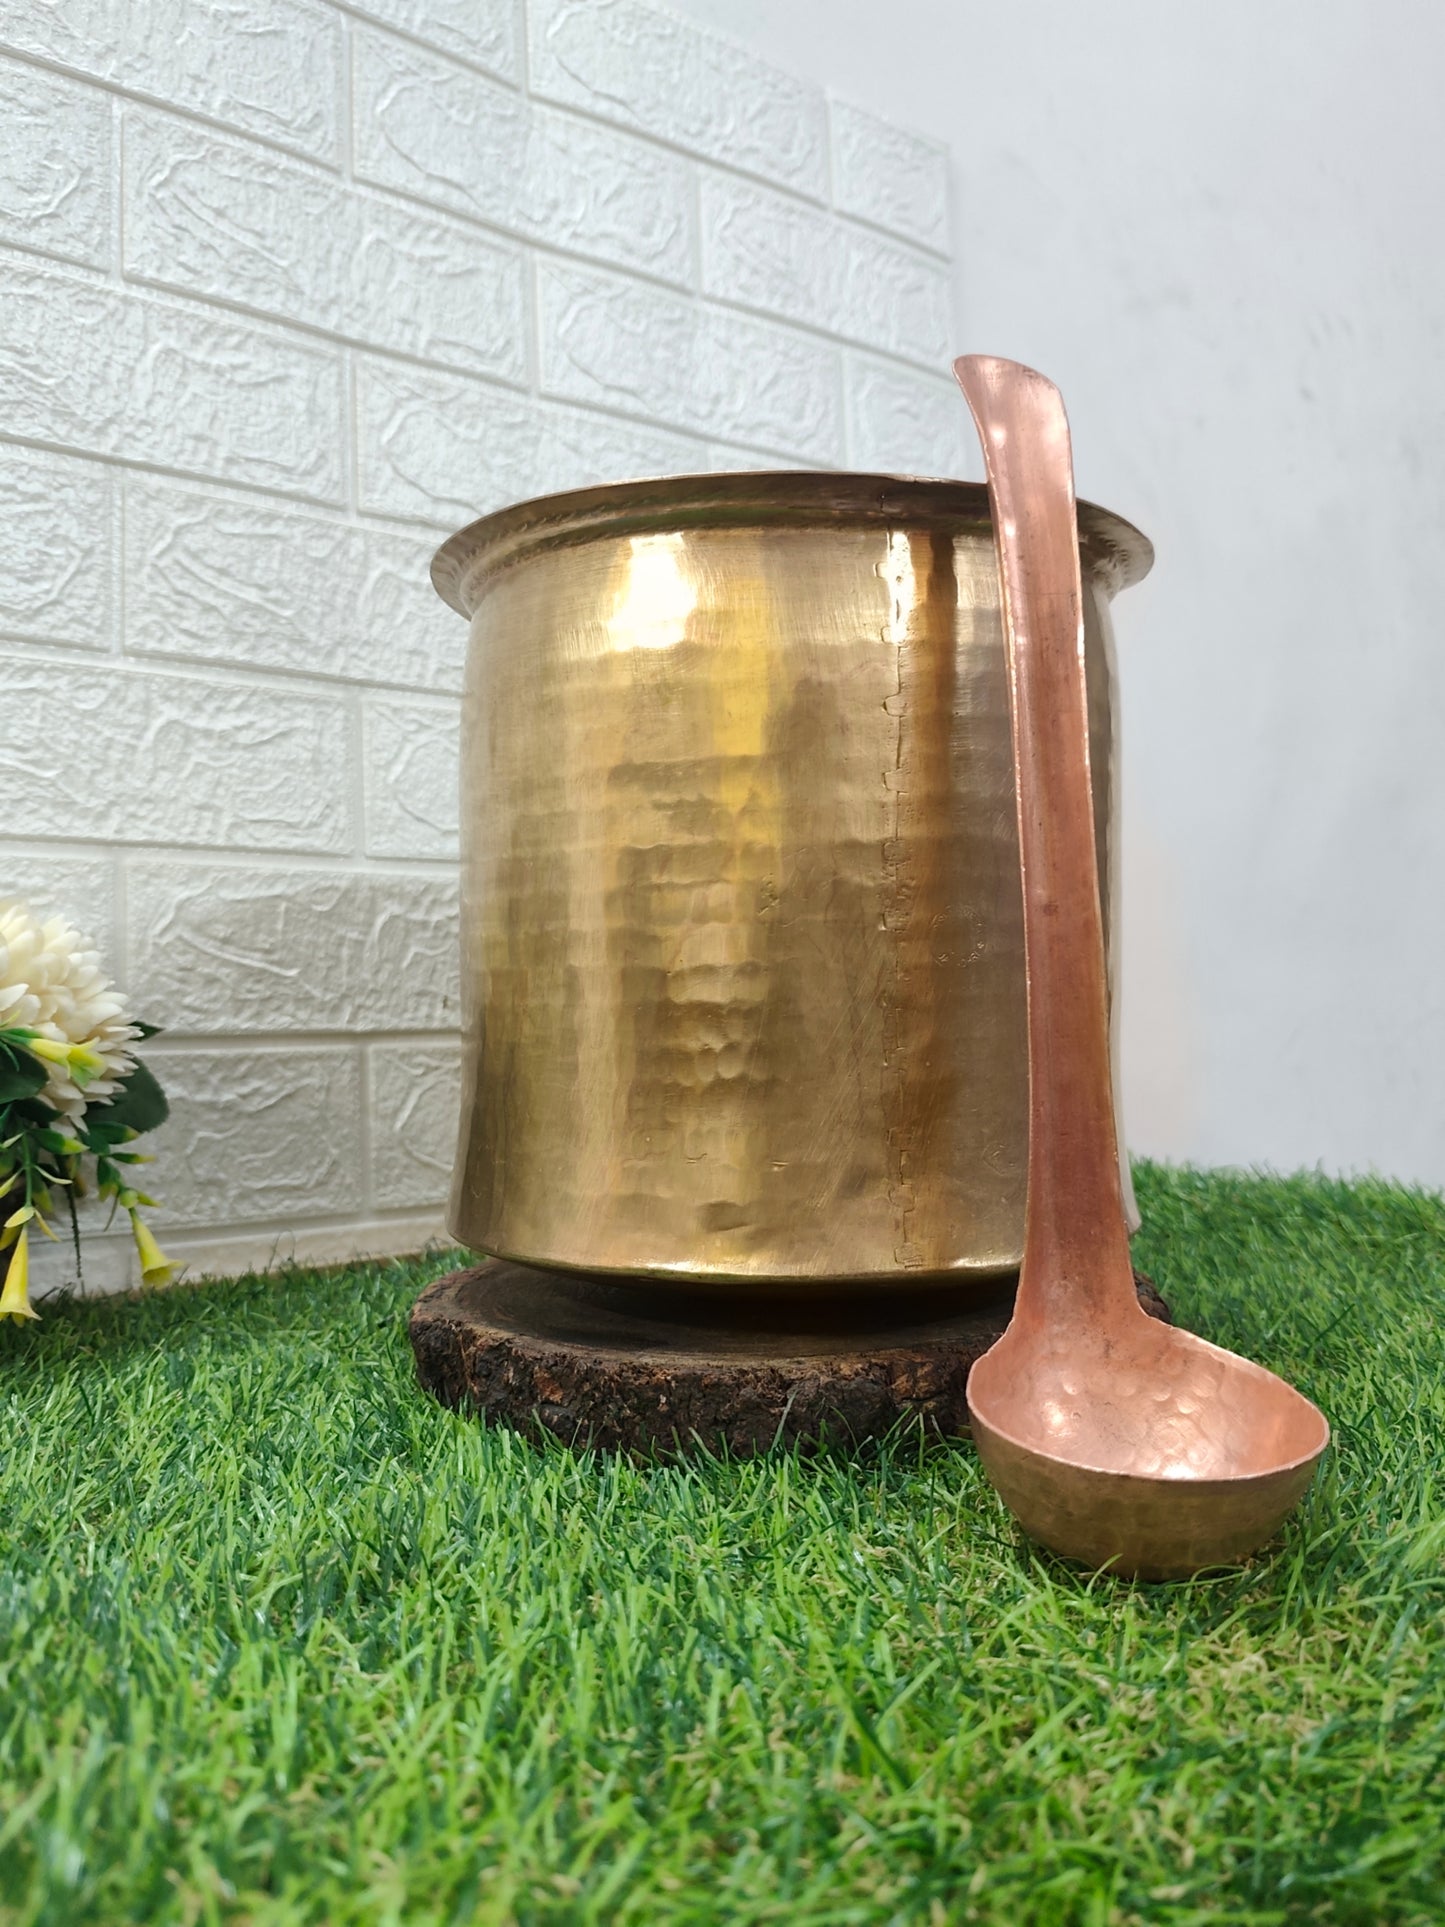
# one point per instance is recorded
(155, 381)
(272, 67)
(210, 1254)
(482, 31)
(55, 165)
(636, 348)
(576, 447)
(886, 175)
(79, 888)
(254, 1134)
(770, 252)
(170, 759)
(110, 1262)
(906, 424)
(650, 69)
(436, 130)
(411, 777)
(267, 949)
(415, 1098)
(444, 450)
(209, 214)
(745, 461)
(57, 519)
(234, 579)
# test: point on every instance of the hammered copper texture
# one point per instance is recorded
(742, 933)
(1111, 1439)
(1155, 1454)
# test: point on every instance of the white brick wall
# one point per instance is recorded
(288, 290)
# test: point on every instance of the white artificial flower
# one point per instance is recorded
(51, 983)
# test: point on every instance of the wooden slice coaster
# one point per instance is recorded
(627, 1367)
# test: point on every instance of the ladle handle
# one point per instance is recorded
(1076, 1242)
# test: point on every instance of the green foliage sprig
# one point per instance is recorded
(56, 1142)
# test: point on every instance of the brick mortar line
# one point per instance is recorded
(281, 1043)
(219, 858)
(366, 1098)
(279, 682)
(235, 1230)
(283, 498)
(366, 520)
(82, 655)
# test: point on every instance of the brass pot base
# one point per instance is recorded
(628, 1367)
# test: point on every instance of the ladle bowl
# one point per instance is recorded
(1157, 1456)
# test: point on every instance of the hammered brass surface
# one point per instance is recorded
(743, 953)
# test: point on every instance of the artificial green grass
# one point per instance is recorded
(282, 1641)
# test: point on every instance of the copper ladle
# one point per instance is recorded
(1112, 1438)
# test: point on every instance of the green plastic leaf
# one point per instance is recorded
(21, 1075)
(139, 1105)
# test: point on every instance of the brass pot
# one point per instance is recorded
(743, 949)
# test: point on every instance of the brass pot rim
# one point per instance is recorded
(1113, 551)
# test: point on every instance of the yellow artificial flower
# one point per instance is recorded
(15, 1298)
(155, 1267)
(83, 1064)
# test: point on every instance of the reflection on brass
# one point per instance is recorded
(743, 949)
(1112, 1438)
